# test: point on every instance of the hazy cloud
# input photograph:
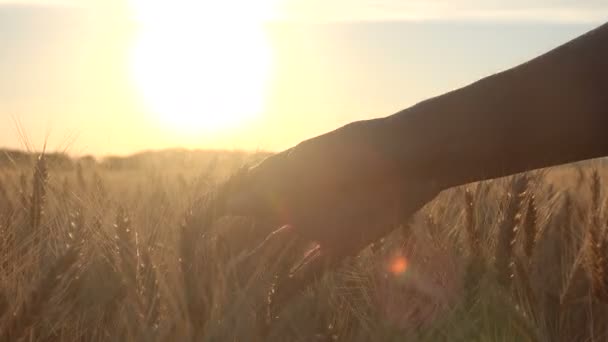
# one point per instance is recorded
(572, 11)
(493, 10)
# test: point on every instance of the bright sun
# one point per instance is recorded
(201, 66)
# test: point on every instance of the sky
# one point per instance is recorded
(118, 76)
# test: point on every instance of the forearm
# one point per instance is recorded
(551, 110)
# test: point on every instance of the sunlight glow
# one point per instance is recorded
(201, 66)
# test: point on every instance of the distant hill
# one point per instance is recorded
(15, 158)
(175, 158)
(178, 158)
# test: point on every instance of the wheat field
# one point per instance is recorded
(131, 249)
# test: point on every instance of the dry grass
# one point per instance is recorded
(92, 253)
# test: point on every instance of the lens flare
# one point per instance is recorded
(398, 265)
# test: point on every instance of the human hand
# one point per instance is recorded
(343, 190)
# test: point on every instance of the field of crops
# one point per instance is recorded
(131, 249)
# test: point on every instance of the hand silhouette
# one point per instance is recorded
(342, 190)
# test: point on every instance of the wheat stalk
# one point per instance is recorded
(530, 228)
(38, 193)
(196, 300)
(471, 223)
(507, 231)
(126, 246)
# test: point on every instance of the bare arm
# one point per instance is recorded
(548, 111)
